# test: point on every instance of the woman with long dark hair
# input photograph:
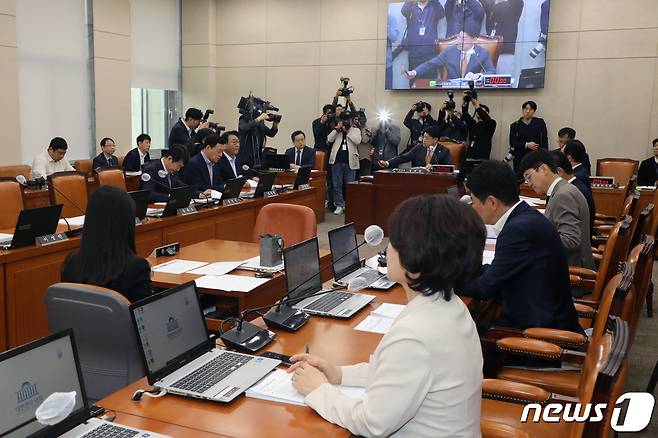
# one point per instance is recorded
(107, 255)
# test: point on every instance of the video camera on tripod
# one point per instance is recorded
(253, 107)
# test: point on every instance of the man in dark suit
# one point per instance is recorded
(418, 124)
(527, 134)
(300, 154)
(135, 158)
(164, 174)
(203, 170)
(106, 158)
(566, 207)
(481, 128)
(575, 152)
(529, 274)
(423, 155)
(183, 130)
(564, 169)
(230, 164)
(252, 131)
(564, 136)
(648, 171)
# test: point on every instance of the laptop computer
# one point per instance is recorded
(303, 175)
(178, 198)
(32, 223)
(233, 187)
(31, 373)
(141, 199)
(346, 262)
(265, 182)
(302, 261)
(277, 161)
(532, 78)
(180, 356)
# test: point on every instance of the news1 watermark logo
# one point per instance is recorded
(631, 412)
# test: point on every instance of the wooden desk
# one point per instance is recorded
(318, 180)
(165, 428)
(607, 201)
(245, 417)
(29, 271)
(373, 203)
(212, 251)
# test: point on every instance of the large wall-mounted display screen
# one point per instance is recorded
(445, 44)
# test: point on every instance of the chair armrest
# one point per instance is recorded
(588, 274)
(604, 217)
(513, 392)
(603, 229)
(584, 311)
(563, 338)
(598, 257)
(530, 348)
(589, 303)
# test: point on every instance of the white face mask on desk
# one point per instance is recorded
(55, 408)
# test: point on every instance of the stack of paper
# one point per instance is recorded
(277, 386)
(230, 283)
(381, 319)
(76, 221)
(178, 266)
(253, 264)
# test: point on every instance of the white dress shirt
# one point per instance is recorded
(423, 380)
(549, 192)
(43, 165)
(231, 161)
(498, 226)
(209, 165)
(142, 157)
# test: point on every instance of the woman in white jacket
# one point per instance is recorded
(425, 376)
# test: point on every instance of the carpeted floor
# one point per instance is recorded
(644, 352)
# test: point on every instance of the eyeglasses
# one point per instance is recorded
(526, 177)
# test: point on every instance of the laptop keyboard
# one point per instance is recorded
(370, 276)
(110, 430)
(212, 372)
(329, 301)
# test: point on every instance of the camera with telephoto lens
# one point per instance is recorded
(450, 103)
(470, 94)
(212, 125)
(346, 90)
(346, 118)
(253, 107)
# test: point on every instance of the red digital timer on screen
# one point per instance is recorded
(498, 80)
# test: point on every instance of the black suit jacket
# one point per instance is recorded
(582, 174)
(520, 134)
(226, 172)
(417, 157)
(529, 275)
(100, 161)
(131, 161)
(134, 283)
(308, 156)
(179, 134)
(196, 174)
(587, 193)
(479, 134)
(647, 174)
(160, 187)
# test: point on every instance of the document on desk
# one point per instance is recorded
(178, 266)
(231, 283)
(76, 221)
(381, 319)
(488, 256)
(532, 201)
(253, 264)
(217, 269)
(277, 387)
(4, 236)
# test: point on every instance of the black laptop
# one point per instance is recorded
(179, 197)
(303, 175)
(141, 199)
(277, 161)
(233, 187)
(265, 183)
(32, 223)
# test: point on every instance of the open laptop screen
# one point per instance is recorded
(169, 325)
(32, 375)
(302, 261)
(342, 242)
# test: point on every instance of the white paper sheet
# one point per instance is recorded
(178, 266)
(4, 236)
(277, 386)
(235, 283)
(253, 184)
(218, 268)
(76, 221)
(253, 264)
(388, 310)
(532, 201)
(133, 172)
(375, 324)
(215, 194)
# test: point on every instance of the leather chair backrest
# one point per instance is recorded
(643, 224)
(641, 257)
(121, 160)
(83, 166)
(609, 259)
(294, 223)
(111, 176)
(617, 299)
(11, 200)
(620, 168)
(320, 160)
(71, 192)
(14, 171)
(456, 151)
(104, 334)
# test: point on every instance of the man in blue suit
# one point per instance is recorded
(300, 155)
(464, 15)
(106, 158)
(203, 171)
(164, 174)
(135, 159)
(529, 274)
(459, 60)
(423, 155)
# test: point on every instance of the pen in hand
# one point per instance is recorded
(306, 349)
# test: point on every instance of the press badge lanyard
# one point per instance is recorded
(422, 19)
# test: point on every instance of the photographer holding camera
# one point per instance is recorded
(321, 128)
(366, 151)
(418, 119)
(449, 122)
(344, 158)
(254, 112)
(385, 141)
(481, 127)
(183, 130)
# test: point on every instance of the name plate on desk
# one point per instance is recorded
(442, 168)
(605, 182)
(231, 201)
(270, 194)
(49, 239)
(166, 250)
(303, 186)
(186, 211)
